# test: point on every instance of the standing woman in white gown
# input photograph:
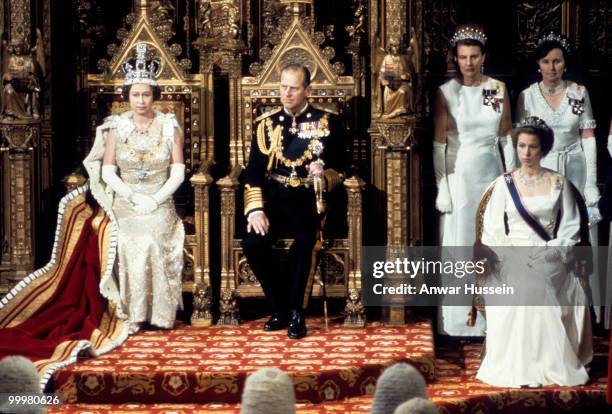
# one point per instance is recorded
(565, 106)
(471, 121)
(542, 334)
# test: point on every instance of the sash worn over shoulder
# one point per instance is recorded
(532, 222)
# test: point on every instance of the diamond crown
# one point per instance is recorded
(139, 71)
(470, 33)
(553, 37)
(533, 122)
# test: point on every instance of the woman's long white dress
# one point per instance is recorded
(150, 246)
(473, 161)
(567, 155)
(535, 344)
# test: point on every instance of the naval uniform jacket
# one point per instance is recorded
(282, 148)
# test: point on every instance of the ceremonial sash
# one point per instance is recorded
(532, 222)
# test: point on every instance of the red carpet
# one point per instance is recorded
(190, 365)
(201, 354)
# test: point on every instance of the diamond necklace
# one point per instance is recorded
(552, 90)
(143, 130)
(530, 181)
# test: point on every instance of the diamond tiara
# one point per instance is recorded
(553, 37)
(534, 122)
(470, 33)
(139, 71)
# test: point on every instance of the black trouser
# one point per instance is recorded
(292, 214)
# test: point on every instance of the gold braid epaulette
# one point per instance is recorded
(324, 109)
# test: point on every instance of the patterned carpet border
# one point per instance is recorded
(189, 365)
(456, 391)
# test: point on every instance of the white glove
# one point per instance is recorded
(610, 145)
(594, 215)
(177, 175)
(509, 153)
(143, 204)
(591, 192)
(443, 200)
(110, 177)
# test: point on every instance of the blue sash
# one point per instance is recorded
(537, 227)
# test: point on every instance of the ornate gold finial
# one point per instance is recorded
(296, 7)
(142, 7)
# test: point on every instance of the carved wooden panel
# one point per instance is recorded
(533, 19)
(598, 31)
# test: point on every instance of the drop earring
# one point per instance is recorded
(482, 69)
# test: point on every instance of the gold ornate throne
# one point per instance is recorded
(340, 258)
(182, 94)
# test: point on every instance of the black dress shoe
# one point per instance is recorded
(297, 325)
(276, 322)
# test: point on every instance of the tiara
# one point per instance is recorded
(534, 122)
(468, 33)
(139, 71)
(553, 37)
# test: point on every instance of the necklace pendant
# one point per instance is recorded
(294, 180)
(293, 130)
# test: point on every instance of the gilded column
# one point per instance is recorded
(19, 147)
(395, 63)
(20, 125)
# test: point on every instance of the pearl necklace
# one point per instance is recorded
(552, 90)
(530, 181)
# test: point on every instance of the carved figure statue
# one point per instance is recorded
(205, 18)
(359, 18)
(22, 71)
(233, 22)
(397, 77)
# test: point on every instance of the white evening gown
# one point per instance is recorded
(150, 246)
(535, 344)
(567, 156)
(473, 161)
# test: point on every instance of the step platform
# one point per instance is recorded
(190, 365)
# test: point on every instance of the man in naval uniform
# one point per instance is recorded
(293, 146)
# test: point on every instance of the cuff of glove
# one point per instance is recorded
(594, 215)
(591, 196)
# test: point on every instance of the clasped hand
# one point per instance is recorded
(143, 204)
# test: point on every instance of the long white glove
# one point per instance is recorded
(509, 153)
(610, 145)
(177, 176)
(591, 192)
(110, 177)
(443, 200)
